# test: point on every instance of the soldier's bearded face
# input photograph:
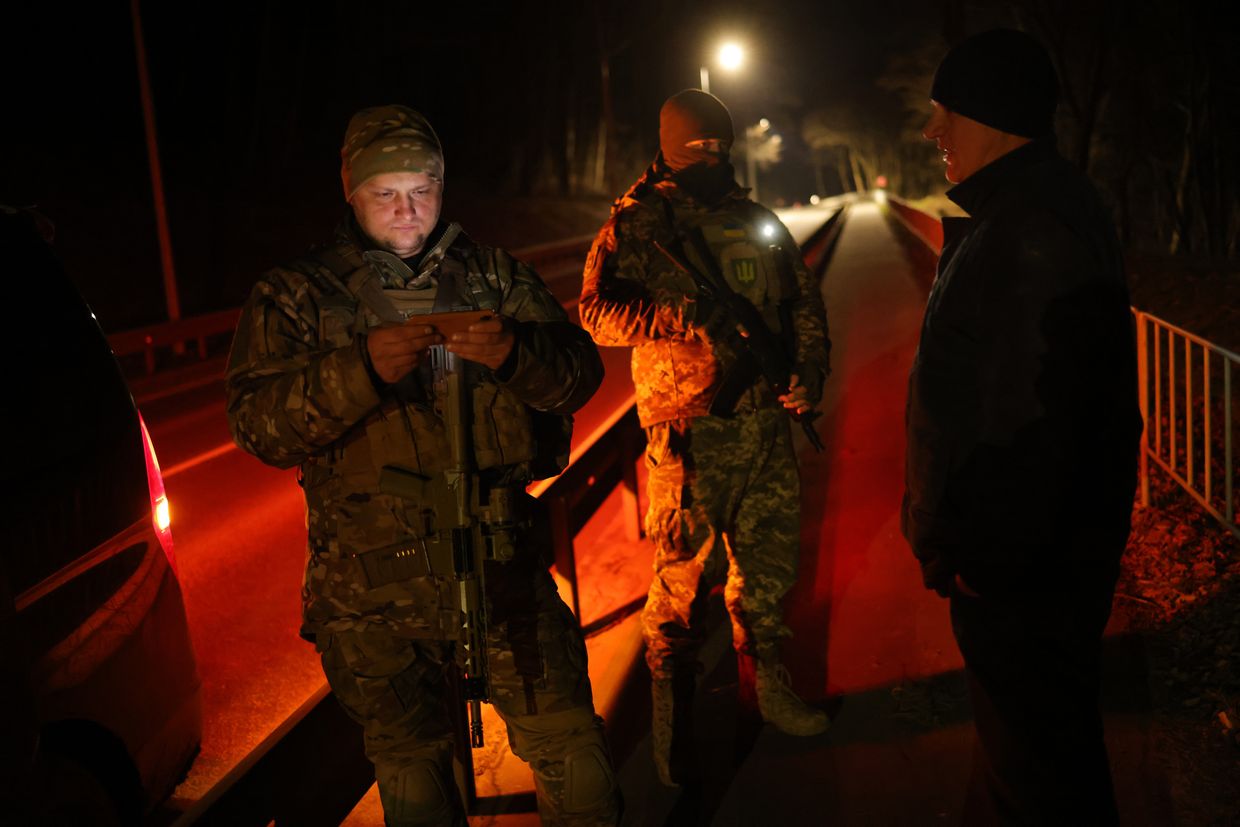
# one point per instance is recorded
(398, 210)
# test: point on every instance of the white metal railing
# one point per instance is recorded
(1188, 380)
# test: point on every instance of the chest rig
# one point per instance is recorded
(375, 288)
(398, 457)
(756, 270)
(755, 285)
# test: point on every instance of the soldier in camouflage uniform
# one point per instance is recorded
(723, 487)
(327, 375)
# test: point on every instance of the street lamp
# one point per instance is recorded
(730, 57)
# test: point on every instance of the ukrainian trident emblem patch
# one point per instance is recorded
(745, 270)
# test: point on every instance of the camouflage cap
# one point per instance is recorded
(388, 139)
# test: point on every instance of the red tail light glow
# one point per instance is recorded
(161, 512)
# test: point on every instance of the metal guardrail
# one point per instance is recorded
(927, 228)
(146, 340)
(607, 461)
(198, 329)
(1184, 444)
(819, 247)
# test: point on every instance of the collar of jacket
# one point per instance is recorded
(350, 233)
(979, 190)
(657, 178)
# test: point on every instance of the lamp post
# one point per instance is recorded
(172, 300)
(730, 57)
(761, 147)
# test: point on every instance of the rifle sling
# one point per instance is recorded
(714, 279)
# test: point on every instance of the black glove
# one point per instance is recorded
(811, 377)
(709, 316)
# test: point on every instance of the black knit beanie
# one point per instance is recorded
(1002, 78)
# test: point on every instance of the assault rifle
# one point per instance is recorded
(468, 553)
(472, 523)
(761, 351)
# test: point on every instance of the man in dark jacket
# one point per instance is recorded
(1022, 427)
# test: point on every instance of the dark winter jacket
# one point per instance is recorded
(1022, 418)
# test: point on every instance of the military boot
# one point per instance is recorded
(780, 706)
(661, 714)
(671, 724)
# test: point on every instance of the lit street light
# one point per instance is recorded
(730, 57)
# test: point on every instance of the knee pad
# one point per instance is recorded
(589, 785)
(418, 794)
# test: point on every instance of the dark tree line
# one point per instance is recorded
(1152, 112)
(561, 98)
(1150, 109)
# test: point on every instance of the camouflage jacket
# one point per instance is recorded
(633, 294)
(300, 393)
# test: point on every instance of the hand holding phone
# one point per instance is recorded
(446, 324)
(487, 340)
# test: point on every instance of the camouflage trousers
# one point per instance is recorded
(724, 508)
(397, 688)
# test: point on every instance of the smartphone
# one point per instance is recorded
(454, 322)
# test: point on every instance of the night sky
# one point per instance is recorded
(251, 105)
(251, 101)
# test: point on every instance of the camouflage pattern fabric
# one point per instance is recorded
(396, 688)
(724, 508)
(634, 295)
(724, 493)
(388, 139)
(299, 394)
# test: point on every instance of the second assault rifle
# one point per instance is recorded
(761, 352)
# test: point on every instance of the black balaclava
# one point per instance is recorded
(694, 115)
(1002, 78)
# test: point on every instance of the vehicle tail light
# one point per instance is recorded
(161, 512)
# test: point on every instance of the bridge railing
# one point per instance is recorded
(926, 227)
(1187, 401)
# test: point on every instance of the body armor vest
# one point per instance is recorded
(751, 266)
(406, 431)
